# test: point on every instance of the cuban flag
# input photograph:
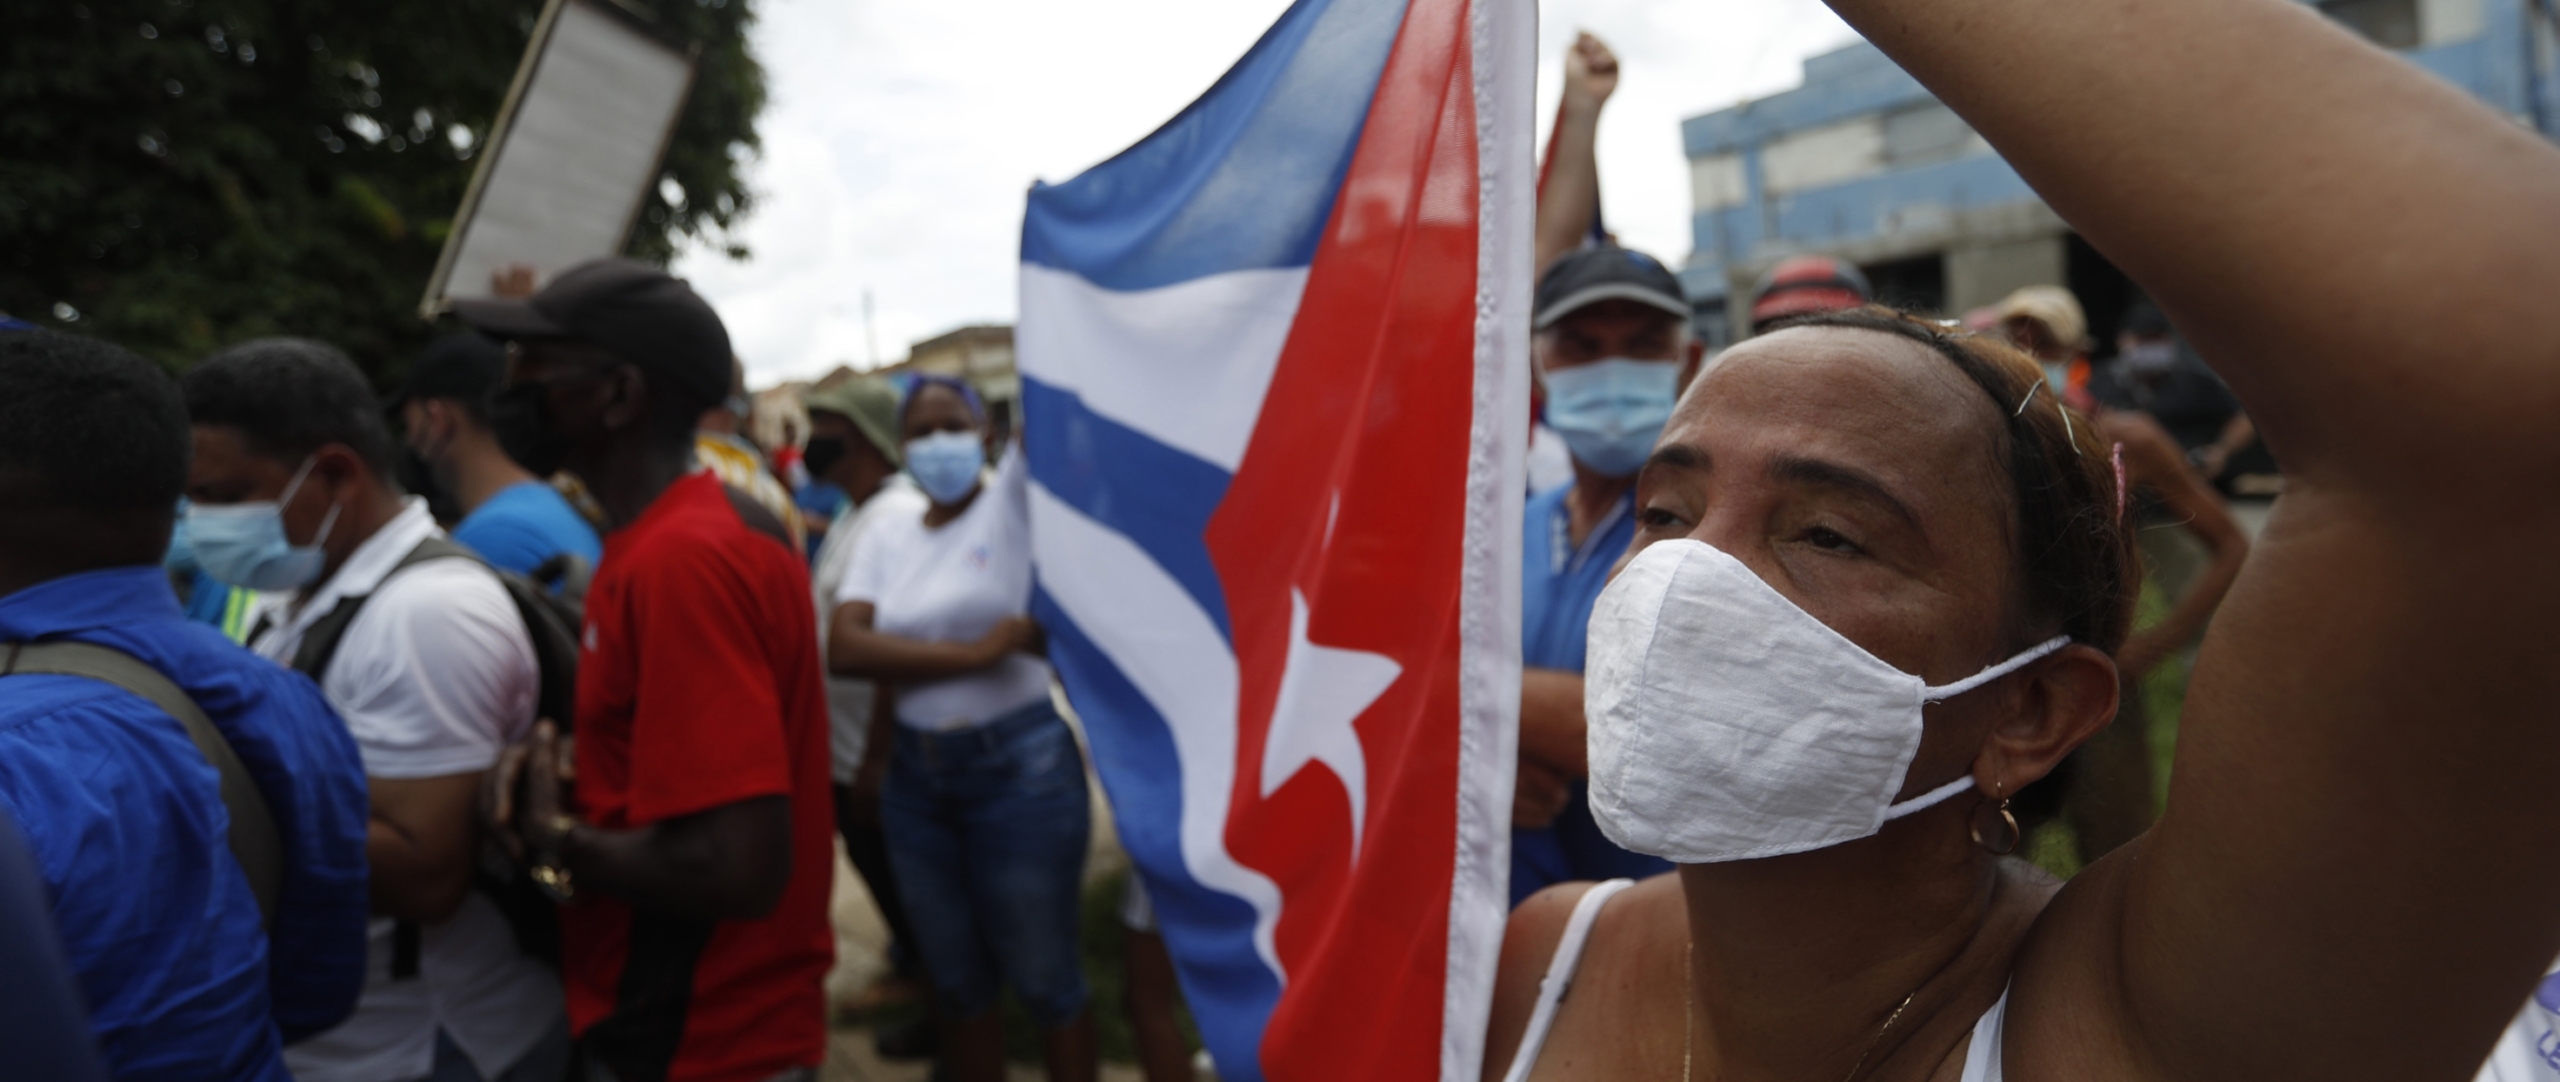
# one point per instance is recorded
(1275, 377)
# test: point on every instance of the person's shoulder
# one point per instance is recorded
(1627, 921)
(896, 500)
(438, 583)
(34, 701)
(225, 678)
(1541, 505)
(450, 602)
(1537, 926)
(529, 515)
(894, 512)
(706, 531)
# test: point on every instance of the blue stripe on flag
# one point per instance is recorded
(1230, 991)
(1242, 179)
(1090, 462)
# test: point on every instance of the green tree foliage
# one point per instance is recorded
(180, 175)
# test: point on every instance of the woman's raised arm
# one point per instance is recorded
(2354, 875)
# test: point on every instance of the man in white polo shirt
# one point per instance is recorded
(434, 672)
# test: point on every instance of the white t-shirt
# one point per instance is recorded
(953, 584)
(850, 698)
(434, 677)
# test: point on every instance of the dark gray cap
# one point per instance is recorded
(1606, 272)
(633, 310)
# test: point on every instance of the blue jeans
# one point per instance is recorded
(987, 831)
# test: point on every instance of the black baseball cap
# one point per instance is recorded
(633, 310)
(1606, 272)
(463, 365)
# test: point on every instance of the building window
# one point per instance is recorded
(2392, 24)
(1915, 284)
(1924, 134)
(1715, 182)
(1820, 157)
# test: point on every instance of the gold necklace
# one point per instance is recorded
(1689, 1022)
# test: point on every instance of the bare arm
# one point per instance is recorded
(1551, 725)
(731, 862)
(2236, 436)
(2341, 885)
(1528, 943)
(418, 845)
(854, 649)
(2152, 462)
(1569, 195)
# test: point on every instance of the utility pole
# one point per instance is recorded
(870, 332)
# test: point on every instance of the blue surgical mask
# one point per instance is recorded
(243, 544)
(946, 464)
(1610, 412)
(180, 560)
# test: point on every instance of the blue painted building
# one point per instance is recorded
(1862, 163)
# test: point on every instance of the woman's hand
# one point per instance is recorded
(1010, 635)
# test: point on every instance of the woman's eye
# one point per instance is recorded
(1829, 540)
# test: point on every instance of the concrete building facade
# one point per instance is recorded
(983, 355)
(1862, 163)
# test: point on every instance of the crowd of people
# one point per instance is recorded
(503, 729)
(545, 696)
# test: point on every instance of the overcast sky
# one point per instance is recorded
(900, 137)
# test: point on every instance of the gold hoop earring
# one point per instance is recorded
(2006, 840)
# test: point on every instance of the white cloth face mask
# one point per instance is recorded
(1727, 724)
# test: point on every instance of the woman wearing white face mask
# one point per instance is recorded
(985, 802)
(1882, 573)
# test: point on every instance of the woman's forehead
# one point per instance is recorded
(936, 398)
(1869, 399)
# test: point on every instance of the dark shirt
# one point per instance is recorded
(41, 1026)
(2188, 400)
(126, 822)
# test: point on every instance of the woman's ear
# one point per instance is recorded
(2059, 703)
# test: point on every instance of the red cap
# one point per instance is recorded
(1808, 283)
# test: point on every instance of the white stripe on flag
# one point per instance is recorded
(1502, 39)
(1186, 364)
(1173, 653)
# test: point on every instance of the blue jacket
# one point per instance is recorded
(127, 826)
(40, 1018)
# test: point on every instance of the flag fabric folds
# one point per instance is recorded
(1275, 366)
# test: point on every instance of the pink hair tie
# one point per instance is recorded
(2119, 462)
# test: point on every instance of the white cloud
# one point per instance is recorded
(901, 137)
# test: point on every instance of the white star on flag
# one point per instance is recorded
(1322, 691)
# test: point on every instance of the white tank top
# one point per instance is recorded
(1981, 1057)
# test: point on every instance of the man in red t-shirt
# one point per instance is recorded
(695, 938)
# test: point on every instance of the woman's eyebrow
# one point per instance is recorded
(1854, 482)
(1678, 456)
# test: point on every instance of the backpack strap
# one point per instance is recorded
(755, 514)
(320, 640)
(320, 644)
(254, 841)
